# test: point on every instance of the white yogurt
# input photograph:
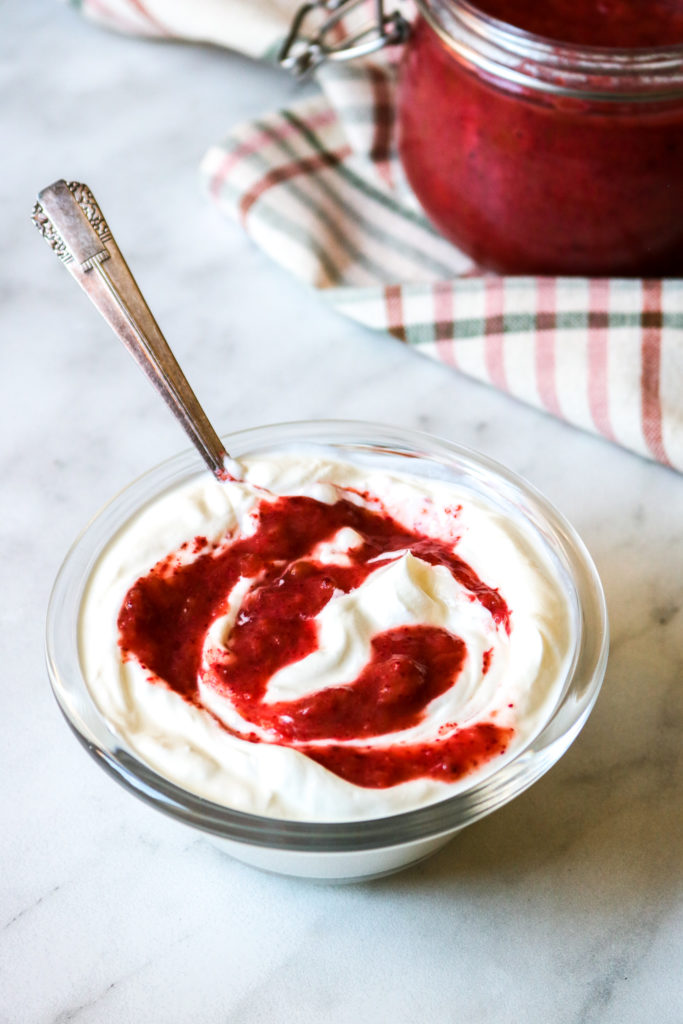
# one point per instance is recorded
(188, 744)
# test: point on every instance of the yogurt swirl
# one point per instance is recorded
(322, 641)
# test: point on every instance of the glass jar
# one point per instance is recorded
(538, 157)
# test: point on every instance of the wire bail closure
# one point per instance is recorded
(303, 52)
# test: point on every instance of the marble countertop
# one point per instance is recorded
(563, 907)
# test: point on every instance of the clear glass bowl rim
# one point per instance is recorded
(448, 815)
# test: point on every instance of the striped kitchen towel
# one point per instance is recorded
(320, 189)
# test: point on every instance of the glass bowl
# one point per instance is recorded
(346, 850)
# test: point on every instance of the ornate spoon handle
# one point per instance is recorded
(70, 220)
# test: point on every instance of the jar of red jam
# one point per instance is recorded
(547, 138)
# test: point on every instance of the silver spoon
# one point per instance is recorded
(70, 220)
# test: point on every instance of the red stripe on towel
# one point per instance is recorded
(393, 299)
(444, 327)
(308, 165)
(546, 327)
(651, 406)
(494, 330)
(598, 355)
(257, 141)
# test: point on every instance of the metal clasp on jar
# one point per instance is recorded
(302, 52)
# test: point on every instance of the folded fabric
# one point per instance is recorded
(320, 189)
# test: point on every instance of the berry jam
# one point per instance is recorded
(166, 614)
(550, 180)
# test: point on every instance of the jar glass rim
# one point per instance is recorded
(580, 691)
(534, 62)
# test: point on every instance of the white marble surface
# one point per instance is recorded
(564, 907)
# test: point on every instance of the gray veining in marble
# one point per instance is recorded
(565, 906)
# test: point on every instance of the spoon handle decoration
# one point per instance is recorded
(70, 220)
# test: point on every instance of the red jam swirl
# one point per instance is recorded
(527, 181)
(166, 614)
